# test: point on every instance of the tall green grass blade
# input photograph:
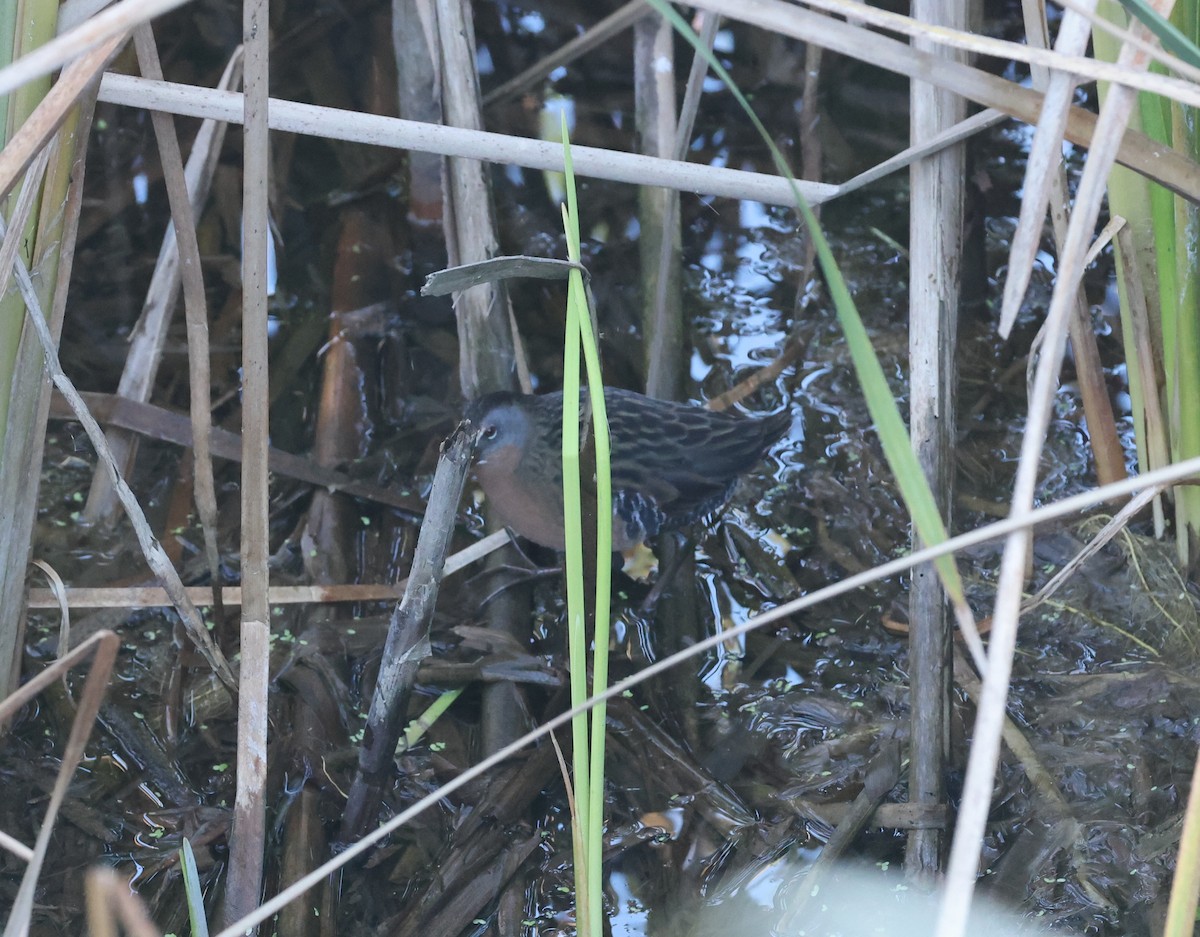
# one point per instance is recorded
(588, 756)
(1181, 909)
(1162, 225)
(191, 889)
(25, 26)
(577, 297)
(1182, 227)
(9, 10)
(1171, 38)
(897, 448)
(1185, 391)
(576, 613)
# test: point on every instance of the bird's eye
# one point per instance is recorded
(489, 432)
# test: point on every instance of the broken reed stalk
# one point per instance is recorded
(407, 640)
(490, 353)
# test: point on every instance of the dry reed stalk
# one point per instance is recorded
(157, 597)
(170, 426)
(1151, 423)
(491, 355)
(149, 334)
(937, 194)
(195, 311)
(151, 549)
(34, 133)
(248, 835)
(660, 244)
(1043, 168)
(1122, 519)
(1035, 55)
(334, 124)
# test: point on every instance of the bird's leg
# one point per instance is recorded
(515, 541)
(685, 547)
(520, 575)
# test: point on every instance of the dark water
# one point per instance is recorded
(719, 804)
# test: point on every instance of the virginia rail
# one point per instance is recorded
(672, 463)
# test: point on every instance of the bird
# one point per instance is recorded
(672, 463)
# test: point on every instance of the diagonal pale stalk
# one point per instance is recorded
(1045, 187)
(1135, 150)
(75, 85)
(332, 123)
(588, 753)
(1045, 154)
(80, 38)
(591, 38)
(1087, 69)
(985, 748)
